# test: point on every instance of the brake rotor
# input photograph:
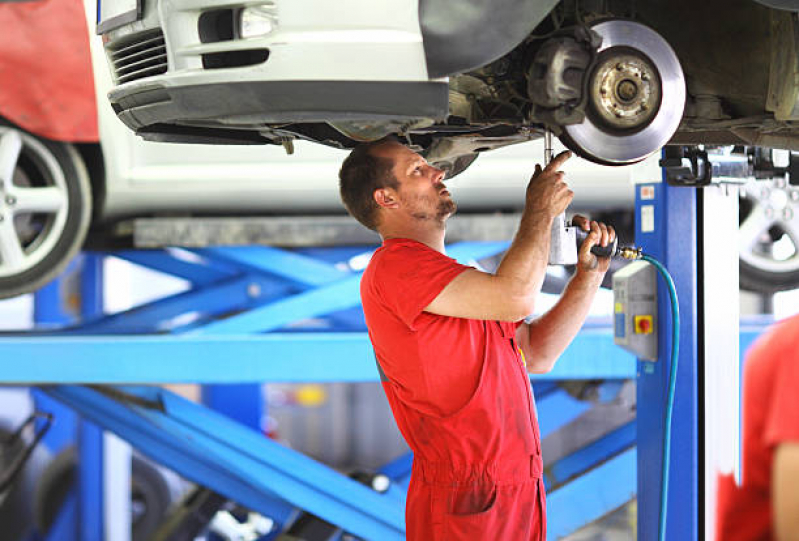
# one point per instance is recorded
(636, 96)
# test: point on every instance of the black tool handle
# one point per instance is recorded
(611, 250)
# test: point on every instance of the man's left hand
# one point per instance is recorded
(598, 234)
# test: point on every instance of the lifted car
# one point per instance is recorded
(457, 77)
(70, 170)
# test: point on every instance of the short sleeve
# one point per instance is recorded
(410, 276)
(782, 422)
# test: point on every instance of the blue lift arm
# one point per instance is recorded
(217, 452)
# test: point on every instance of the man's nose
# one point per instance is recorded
(438, 174)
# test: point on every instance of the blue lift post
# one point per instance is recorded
(91, 504)
(672, 214)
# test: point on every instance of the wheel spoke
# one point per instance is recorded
(12, 258)
(10, 147)
(48, 200)
(753, 228)
(791, 228)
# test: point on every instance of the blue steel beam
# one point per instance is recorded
(466, 252)
(231, 459)
(277, 357)
(335, 254)
(592, 352)
(557, 409)
(91, 469)
(293, 266)
(591, 496)
(200, 272)
(91, 503)
(338, 295)
(588, 457)
(219, 298)
(317, 302)
(399, 470)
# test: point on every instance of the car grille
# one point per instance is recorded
(139, 56)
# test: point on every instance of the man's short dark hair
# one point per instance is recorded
(361, 174)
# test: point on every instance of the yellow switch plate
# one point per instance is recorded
(643, 324)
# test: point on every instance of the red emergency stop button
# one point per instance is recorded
(643, 324)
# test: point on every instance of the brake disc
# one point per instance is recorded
(636, 96)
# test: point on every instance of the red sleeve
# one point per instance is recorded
(782, 423)
(410, 277)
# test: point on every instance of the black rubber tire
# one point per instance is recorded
(79, 206)
(16, 512)
(760, 281)
(148, 488)
(52, 489)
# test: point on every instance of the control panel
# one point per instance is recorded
(635, 309)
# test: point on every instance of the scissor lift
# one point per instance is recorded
(244, 303)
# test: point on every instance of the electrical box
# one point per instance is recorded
(635, 309)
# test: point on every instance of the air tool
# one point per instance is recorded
(566, 238)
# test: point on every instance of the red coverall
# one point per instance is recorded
(461, 397)
(770, 417)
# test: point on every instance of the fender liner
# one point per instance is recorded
(461, 35)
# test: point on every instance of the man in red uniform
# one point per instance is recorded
(766, 505)
(452, 344)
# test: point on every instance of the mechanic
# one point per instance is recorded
(452, 342)
(765, 505)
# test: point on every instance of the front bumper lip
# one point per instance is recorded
(263, 102)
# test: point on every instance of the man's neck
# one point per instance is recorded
(431, 237)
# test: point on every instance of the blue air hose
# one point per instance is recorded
(675, 347)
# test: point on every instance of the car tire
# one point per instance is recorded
(769, 236)
(149, 490)
(45, 207)
(16, 508)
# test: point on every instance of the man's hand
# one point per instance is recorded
(547, 193)
(599, 234)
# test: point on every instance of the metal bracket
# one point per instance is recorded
(686, 166)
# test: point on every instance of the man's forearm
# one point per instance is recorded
(550, 334)
(525, 262)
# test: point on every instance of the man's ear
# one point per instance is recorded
(386, 198)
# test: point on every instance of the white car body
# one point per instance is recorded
(144, 177)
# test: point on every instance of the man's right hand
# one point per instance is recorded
(547, 193)
(509, 294)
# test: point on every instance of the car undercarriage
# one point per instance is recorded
(614, 80)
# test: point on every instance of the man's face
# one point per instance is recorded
(422, 193)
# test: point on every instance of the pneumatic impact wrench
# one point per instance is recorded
(566, 238)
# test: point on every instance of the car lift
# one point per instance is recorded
(259, 314)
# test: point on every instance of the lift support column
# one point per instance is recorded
(693, 233)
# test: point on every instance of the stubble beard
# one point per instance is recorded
(444, 209)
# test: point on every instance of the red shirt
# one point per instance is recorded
(770, 417)
(461, 397)
(434, 361)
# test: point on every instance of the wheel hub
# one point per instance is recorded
(625, 92)
(636, 96)
(770, 231)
